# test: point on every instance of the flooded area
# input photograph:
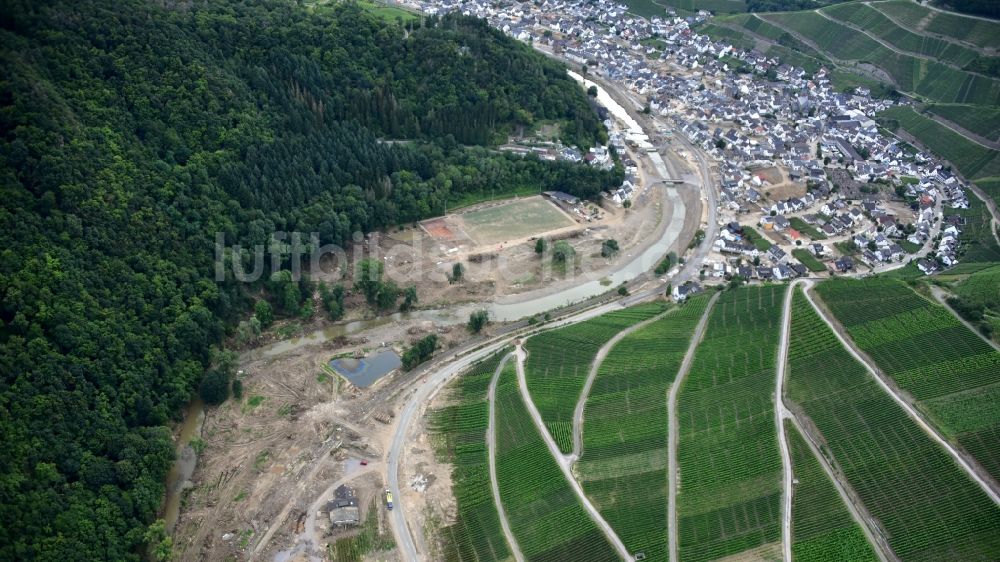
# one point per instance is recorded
(180, 474)
(363, 373)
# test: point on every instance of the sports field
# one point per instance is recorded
(512, 220)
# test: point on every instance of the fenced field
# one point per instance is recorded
(511, 220)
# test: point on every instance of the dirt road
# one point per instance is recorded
(858, 511)
(581, 402)
(780, 414)
(942, 297)
(491, 447)
(672, 433)
(565, 461)
(975, 473)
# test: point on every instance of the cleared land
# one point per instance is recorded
(952, 373)
(461, 428)
(545, 514)
(972, 159)
(512, 220)
(822, 527)
(929, 508)
(559, 361)
(729, 497)
(623, 468)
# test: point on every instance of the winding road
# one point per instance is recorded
(780, 414)
(565, 461)
(916, 416)
(581, 402)
(491, 447)
(672, 433)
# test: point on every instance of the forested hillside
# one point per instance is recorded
(135, 130)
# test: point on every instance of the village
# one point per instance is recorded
(831, 191)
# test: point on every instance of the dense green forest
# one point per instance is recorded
(135, 130)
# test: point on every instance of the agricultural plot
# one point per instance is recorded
(975, 31)
(729, 492)
(879, 25)
(559, 361)
(927, 78)
(545, 514)
(822, 527)
(972, 159)
(952, 373)
(927, 507)
(460, 430)
(808, 260)
(623, 468)
(979, 294)
(983, 121)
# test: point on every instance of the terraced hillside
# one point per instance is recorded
(729, 466)
(956, 27)
(623, 467)
(545, 514)
(927, 508)
(559, 361)
(973, 160)
(924, 77)
(461, 427)
(948, 62)
(822, 527)
(952, 373)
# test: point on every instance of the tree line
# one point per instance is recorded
(133, 131)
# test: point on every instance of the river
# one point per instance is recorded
(504, 309)
(180, 474)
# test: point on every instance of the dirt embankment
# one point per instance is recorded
(268, 456)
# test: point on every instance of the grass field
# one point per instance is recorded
(952, 373)
(545, 515)
(513, 219)
(756, 238)
(729, 492)
(929, 509)
(808, 260)
(460, 430)
(559, 361)
(822, 527)
(386, 12)
(971, 159)
(805, 228)
(623, 467)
